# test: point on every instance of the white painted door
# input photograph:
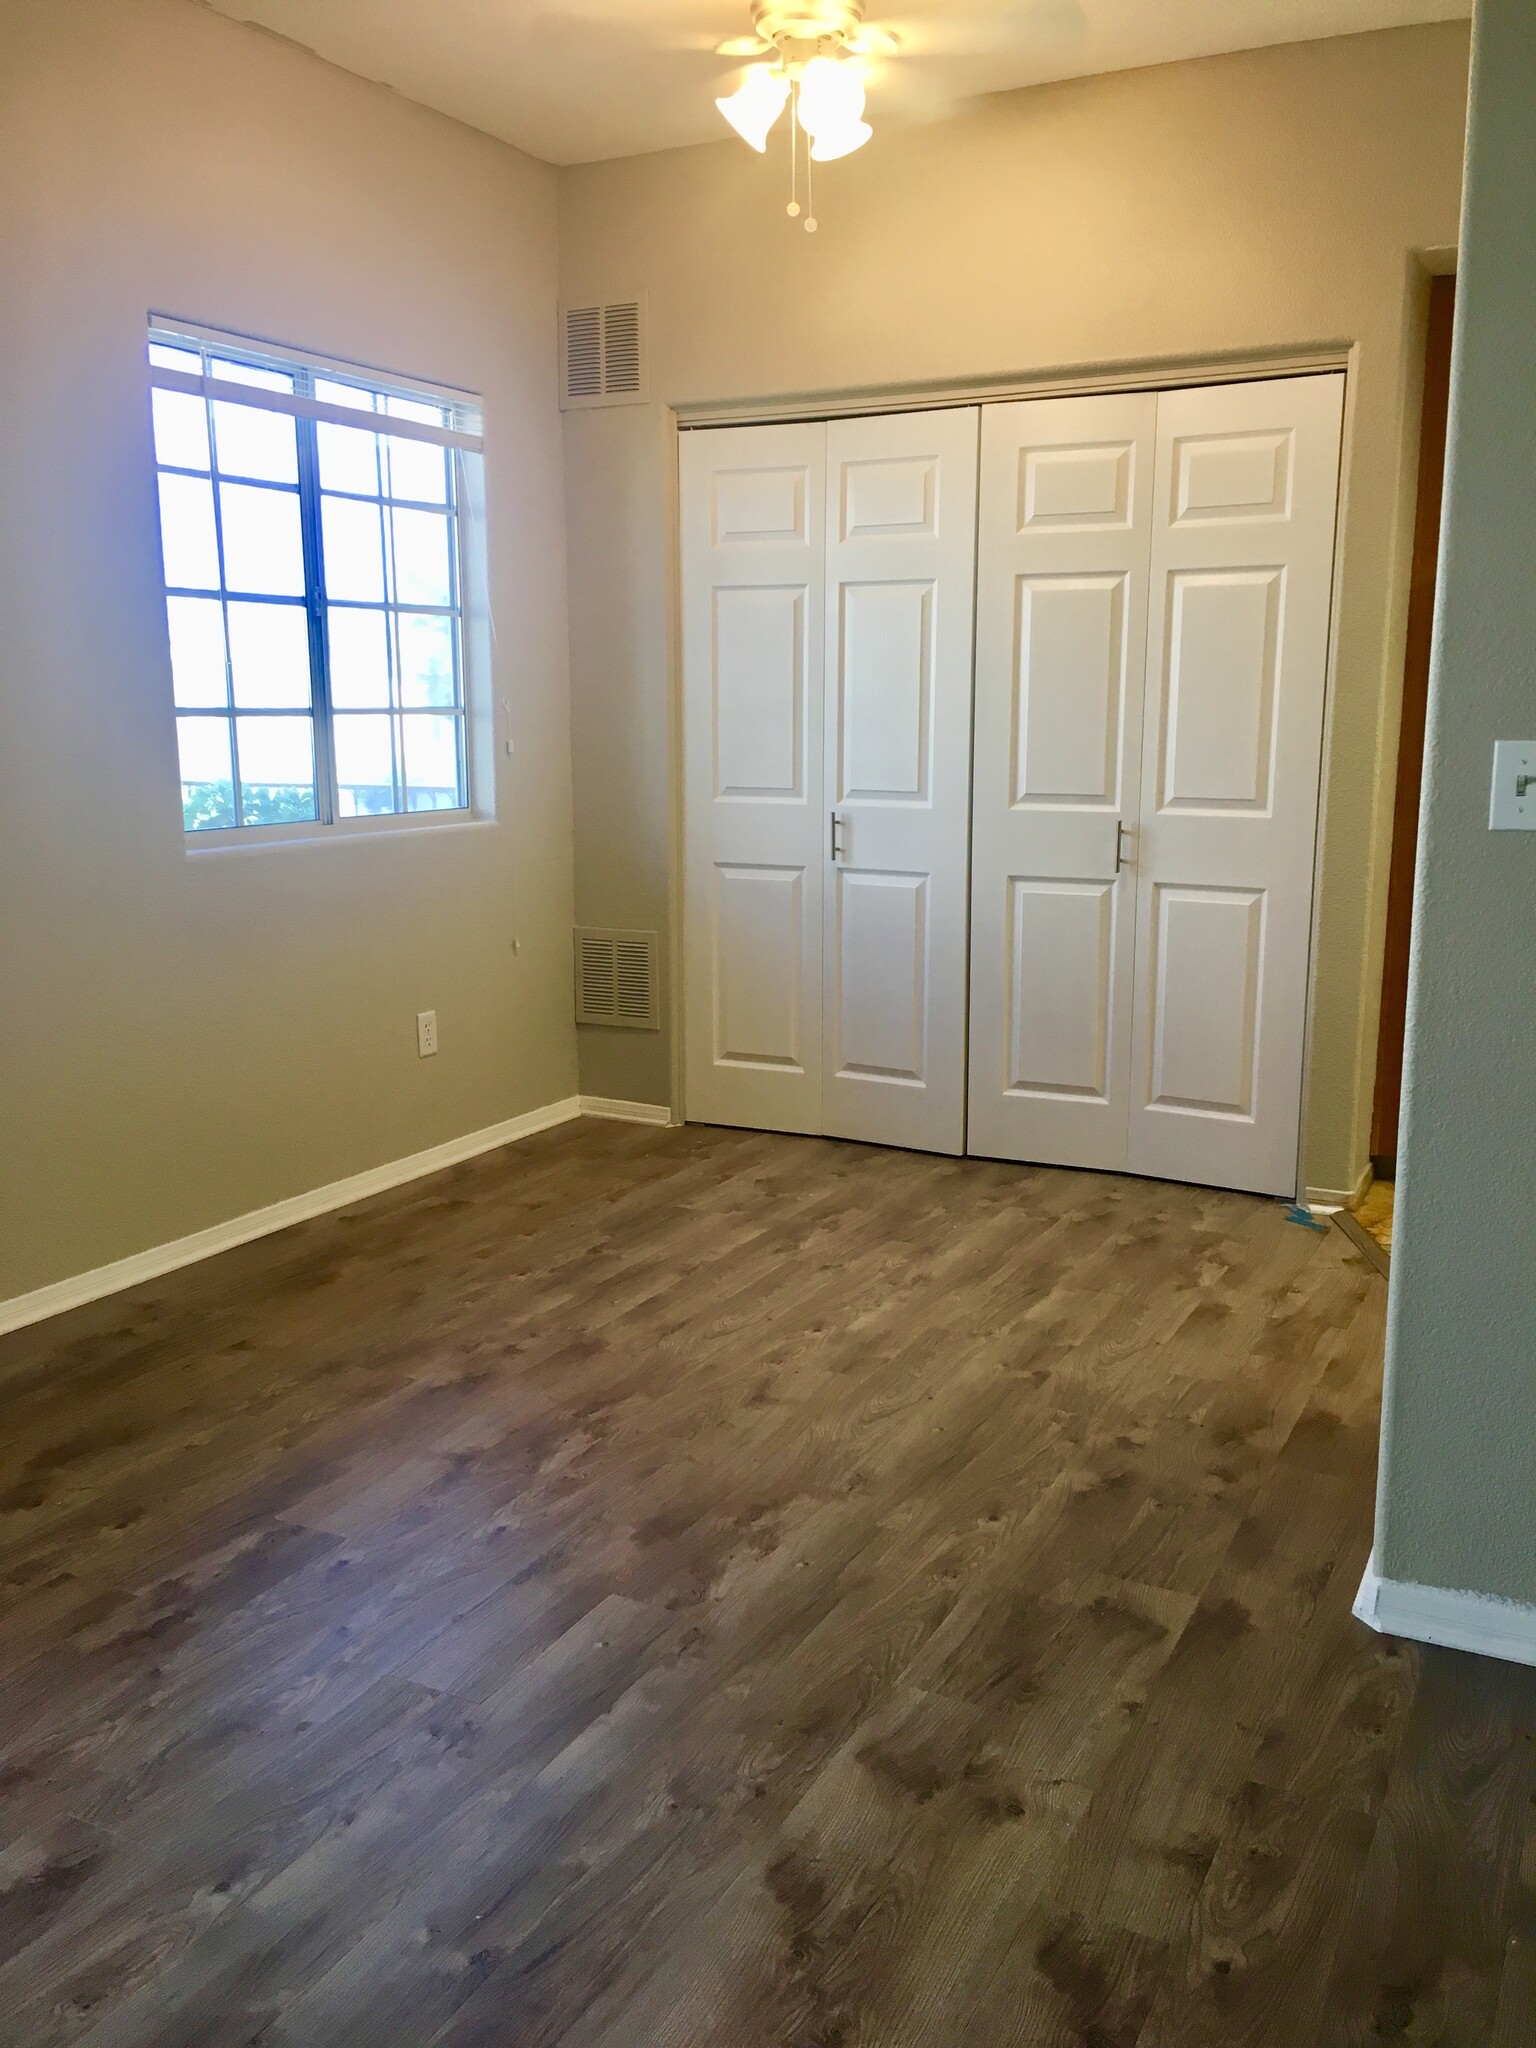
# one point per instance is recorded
(901, 541)
(1242, 572)
(752, 508)
(1064, 541)
(1154, 587)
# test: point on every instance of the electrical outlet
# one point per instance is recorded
(426, 1033)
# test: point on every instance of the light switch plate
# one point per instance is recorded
(1512, 806)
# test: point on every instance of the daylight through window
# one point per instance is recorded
(314, 586)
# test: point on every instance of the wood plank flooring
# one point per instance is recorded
(698, 1589)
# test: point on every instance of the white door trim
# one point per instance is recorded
(1167, 375)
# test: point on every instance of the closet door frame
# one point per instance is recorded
(684, 418)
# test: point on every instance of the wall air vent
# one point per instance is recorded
(616, 979)
(602, 354)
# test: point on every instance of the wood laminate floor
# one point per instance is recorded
(698, 1589)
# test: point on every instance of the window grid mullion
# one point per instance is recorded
(364, 604)
(246, 483)
(327, 799)
(236, 799)
(391, 627)
(456, 594)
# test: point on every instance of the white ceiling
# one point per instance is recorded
(575, 80)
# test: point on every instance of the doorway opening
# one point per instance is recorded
(1374, 1212)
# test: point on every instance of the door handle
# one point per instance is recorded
(1122, 858)
(837, 842)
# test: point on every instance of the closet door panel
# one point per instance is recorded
(1206, 947)
(1061, 962)
(881, 975)
(758, 661)
(757, 934)
(1069, 684)
(1241, 587)
(752, 558)
(1063, 546)
(900, 553)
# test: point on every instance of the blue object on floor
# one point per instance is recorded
(1296, 1214)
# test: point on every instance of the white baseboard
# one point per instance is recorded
(1326, 1200)
(1457, 1621)
(22, 1309)
(625, 1112)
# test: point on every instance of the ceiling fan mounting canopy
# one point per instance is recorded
(807, 28)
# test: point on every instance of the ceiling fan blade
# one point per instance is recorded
(873, 41)
(988, 27)
(744, 46)
(676, 26)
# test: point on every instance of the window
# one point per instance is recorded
(314, 572)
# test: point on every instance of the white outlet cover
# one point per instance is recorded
(1510, 809)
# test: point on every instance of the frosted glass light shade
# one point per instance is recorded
(831, 97)
(756, 104)
(831, 143)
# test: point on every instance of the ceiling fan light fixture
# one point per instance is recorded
(831, 99)
(831, 143)
(814, 49)
(756, 104)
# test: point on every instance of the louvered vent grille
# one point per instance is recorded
(616, 979)
(594, 995)
(602, 349)
(621, 350)
(584, 352)
(632, 980)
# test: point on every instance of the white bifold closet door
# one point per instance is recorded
(1154, 584)
(754, 568)
(1061, 625)
(828, 574)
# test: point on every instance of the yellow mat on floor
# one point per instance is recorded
(1373, 1212)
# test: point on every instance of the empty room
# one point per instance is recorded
(767, 1237)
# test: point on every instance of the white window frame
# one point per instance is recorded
(463, 438)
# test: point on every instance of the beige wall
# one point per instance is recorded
(1260, 202)
(1458, 1506)
(186, 1038)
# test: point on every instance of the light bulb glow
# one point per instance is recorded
(756, 104)
(832, 143)
(831, 97)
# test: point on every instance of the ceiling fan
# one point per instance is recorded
(811, 54)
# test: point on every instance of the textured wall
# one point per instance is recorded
(1248, 203)
(188, 1037)
(1458, 1503)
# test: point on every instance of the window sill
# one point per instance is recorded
(274, 838)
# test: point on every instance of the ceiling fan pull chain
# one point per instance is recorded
(793, 207)
(810, 206)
